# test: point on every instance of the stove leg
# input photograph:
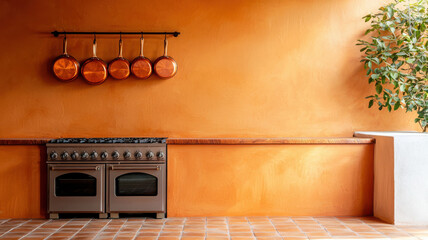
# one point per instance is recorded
(114, 215)
(160, 215)
(103, 215)
(53, 215)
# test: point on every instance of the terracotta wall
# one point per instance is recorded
(281, 180)
(22, 182)
(234, 180)
(266, 68)
(246, 68)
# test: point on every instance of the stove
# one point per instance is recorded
(107, 176)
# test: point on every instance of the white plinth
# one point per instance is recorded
(400, 177)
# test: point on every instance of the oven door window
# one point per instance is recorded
(136, 184)
(75, 185)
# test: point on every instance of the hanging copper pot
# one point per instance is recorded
(66, 67)
(141, 66)
(94, 69)
(165, 66)
(118, 68)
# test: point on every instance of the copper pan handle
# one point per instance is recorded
(96, 168)
(120, 47)
(157, 168)
(165, 47)
(94, 47)
(141, 45)
(64, 45)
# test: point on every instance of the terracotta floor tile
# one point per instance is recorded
(266, 234)
(240, 230)
(172, 230)
(295, 238)
(193, 234)
(317, 234)
(170, 234)
(292, 234)
(210, 228)
(269, 238)
(217, 238)
(294, 229)
(216, 234)
(192, 238)
(198, 231)
(148, 234)
(241, 234)
(243, 238)
(145, 238)
(169, 238)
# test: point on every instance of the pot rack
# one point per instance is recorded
(56, 33)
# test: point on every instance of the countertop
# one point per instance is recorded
(221, 141)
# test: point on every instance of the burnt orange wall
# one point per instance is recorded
(266, 68)
(22, 182)
(285, 180)
(261, 68)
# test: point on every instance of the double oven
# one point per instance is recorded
(107, 176)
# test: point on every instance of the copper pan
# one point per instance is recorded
(94, 69)
(65, 67)
(165, 66)
(118, 68)
(141, 66)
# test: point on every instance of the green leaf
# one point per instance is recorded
(394, 75)
(367, 18)
(397, 105)
(371, 103)
(379, 88)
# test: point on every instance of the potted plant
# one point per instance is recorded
(395, 57)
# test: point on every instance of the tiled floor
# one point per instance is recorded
(209, 228)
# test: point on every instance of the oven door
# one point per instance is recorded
(134, 188)
(76, 188)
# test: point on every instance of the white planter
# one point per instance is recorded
(400, 177)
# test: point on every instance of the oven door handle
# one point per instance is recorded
(96, 168)
(157, 168)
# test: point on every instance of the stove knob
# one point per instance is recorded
(85, 155)
(127, 155)
(138, 155)
(94, 155)
(64, 156)
(115, 155)
(104, 155)
(54, 155)
(150, 155)
(75, 155)
(161, 155)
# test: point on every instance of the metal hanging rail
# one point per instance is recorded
(56, 33)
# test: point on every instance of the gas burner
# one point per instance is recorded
(108, 140)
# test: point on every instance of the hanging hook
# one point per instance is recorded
(95, 37)
(142, 35)
(165, 37)
(120, 35)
